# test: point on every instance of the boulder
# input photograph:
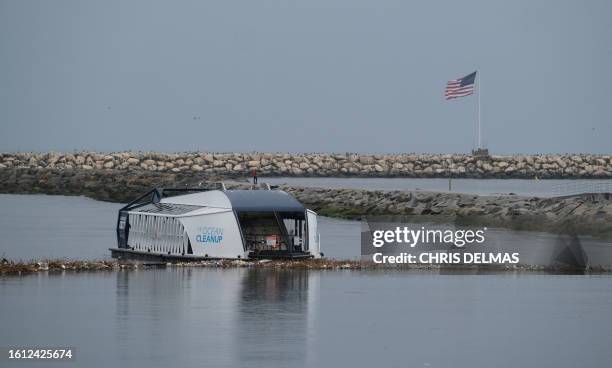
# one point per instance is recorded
(366, 160)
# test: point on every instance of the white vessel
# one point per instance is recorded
(195, 224)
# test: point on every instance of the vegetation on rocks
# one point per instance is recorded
(58, 266)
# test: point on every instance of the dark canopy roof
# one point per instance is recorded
(263, 201)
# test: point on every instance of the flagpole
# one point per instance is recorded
(479, 125)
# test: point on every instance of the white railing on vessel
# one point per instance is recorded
(157, 234)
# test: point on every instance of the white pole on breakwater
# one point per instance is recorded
(479, 123)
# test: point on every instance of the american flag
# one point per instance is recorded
(460, 87)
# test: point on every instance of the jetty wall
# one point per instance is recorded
(585, 214)
(322, 164)
(582, 214)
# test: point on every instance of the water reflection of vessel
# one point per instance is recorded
(230, 317)
(193, 224)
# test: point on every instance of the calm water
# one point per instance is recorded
(268, 318)
(263, 318)
(523, 187)
(41, 226)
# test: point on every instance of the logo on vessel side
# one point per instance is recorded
(209, 235)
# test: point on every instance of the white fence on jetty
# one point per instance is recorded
(582, 187)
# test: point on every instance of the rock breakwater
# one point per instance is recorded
(320, 164)
(587, 214)
(103, 185)
(582, 214)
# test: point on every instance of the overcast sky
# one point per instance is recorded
(304, 76)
